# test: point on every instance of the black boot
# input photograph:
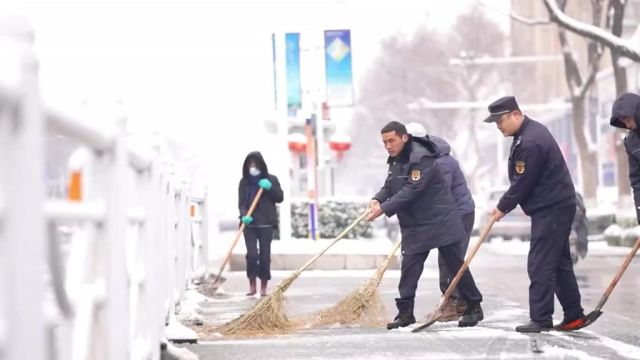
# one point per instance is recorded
(472, 315)
(405, 314)
(534, 327)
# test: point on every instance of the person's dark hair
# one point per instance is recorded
(396, 126)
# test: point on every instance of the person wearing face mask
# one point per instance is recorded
(259, 227)
(625, 114)
(542, 186)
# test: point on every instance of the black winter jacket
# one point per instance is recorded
(629, 105)
(417, 193)
(265, 212)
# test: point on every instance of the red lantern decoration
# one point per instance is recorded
(297, 143)
(340, 142)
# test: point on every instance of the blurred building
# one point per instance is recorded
(549, 83)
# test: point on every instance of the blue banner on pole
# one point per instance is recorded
(338, 72)
(294, 88)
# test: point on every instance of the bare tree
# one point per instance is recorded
(409, 68)
(474, 35)
(618, 47)
(579, 87)
(413, 71)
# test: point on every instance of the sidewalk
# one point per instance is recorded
(363, 254)
(346, 254)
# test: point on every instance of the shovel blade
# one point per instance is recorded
(428, 322)
(577, 325)
(591, 318)
(213, 285)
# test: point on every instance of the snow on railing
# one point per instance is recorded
(98, 275)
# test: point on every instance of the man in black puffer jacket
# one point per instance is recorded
(454, 177)
(625, 114)
(417, 193)
(260, 224)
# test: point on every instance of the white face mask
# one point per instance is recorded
(254, 171)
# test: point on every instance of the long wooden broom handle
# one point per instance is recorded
(618, 275)
(465, 265)
(240, 230)
(386, 262)
(340, 236)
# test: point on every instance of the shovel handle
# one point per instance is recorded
(618, 275)
(465, 265)
(240, 230)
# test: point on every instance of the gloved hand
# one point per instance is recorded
(265, 184)
(247, 219)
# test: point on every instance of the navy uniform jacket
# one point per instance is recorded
(538, 173)
(629, 105)
(417, 193)
(453, 176)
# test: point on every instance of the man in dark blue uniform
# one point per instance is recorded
(625, 114)
(417, 193)
(454, 177)
(542, 186)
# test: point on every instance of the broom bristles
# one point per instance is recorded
(360, 307)
(265, 318)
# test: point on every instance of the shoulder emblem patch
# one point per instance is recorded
(415, 175)
(520, 167)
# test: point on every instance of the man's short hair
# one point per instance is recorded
(396, 126)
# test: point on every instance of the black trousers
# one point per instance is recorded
(413, 264)
(445, 275)
(550, 267)
(258, 260)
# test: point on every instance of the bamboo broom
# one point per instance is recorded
(360, 307)
(267, 316)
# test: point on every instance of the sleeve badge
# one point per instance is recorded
(520, 167)
(415, 175)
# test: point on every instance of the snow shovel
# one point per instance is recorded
(218, 280)
(447, 294)
(595, 314)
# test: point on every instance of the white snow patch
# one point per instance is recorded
(507, 314)
(189, 309)
(180, 353)
(623, 349)
(476, 332)
(562, 353)
(176, 331)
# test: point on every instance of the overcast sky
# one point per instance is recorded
(200, 70)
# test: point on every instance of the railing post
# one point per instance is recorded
(204, 234)
(113, 314)
(22, 243)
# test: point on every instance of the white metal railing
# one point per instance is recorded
(107, 258)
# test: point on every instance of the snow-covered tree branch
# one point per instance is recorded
(627, 48)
